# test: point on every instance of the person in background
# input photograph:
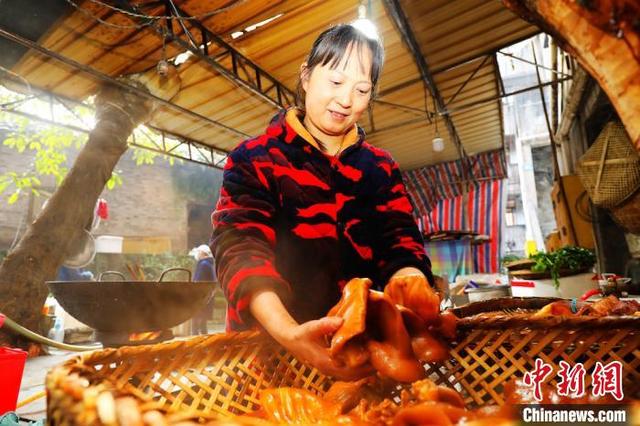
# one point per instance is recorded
(74, 274)
(204, 271)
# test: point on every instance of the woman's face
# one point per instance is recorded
(336, 98)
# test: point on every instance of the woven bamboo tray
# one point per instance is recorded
(497, 341)
(208, 376)
(200, 378)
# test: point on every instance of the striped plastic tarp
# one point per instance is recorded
(437, 194)
(429, 185)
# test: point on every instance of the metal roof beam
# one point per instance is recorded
(277, 93)
(470, 105)
(206, 153)
(398, 125)
(413, 110)
(500, 90)
(107, 78)
(526, 61)
(469, 78)
(441, 70)
(400, 20)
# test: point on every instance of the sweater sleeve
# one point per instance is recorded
(400, 243)
(243, 240)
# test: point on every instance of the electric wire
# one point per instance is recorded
(149, 18)
(180, 18)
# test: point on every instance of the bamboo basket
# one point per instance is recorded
(610, 169)
(627, 214)
(498, 340)
(211, 376)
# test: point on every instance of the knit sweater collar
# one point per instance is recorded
(287, 125)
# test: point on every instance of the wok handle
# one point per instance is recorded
(120, 274)
(174, 269)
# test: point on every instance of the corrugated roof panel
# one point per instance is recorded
(451, 31)
(453, 36)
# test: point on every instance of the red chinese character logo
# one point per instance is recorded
(571, 380)
(608, 379)
(536, 377)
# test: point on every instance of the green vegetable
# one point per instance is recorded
(572, 258)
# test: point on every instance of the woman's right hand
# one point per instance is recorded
(307, 342)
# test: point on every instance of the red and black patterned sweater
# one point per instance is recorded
(303, 223)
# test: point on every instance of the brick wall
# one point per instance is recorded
(147, 204)
(17, 214)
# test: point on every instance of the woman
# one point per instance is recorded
(309, 205)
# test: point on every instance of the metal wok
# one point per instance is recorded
(132, 306)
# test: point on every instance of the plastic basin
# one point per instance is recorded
(11, 368)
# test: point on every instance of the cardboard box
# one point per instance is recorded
(574, 211)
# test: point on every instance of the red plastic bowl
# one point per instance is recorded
(11, 368)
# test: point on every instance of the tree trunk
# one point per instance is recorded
(604, 36)
(50, 237)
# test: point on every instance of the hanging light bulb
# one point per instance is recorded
(437, 144)
(364, 24)
(362, 11)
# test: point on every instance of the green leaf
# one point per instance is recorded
(14, 197)
(48, 146)
(114, 180)
(570, 258)
(4, 185)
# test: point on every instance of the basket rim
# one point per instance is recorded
(230, 339)
(524, 320)
(502, 303)
(486, 314)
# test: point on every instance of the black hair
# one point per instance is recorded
(333, 44)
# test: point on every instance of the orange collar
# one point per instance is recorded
(293, 117)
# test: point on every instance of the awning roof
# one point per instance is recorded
(458, 39)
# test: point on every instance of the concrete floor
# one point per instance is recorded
(33, 377)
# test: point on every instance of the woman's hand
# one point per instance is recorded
(306, 341)
(440, 285)
(407, 270)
